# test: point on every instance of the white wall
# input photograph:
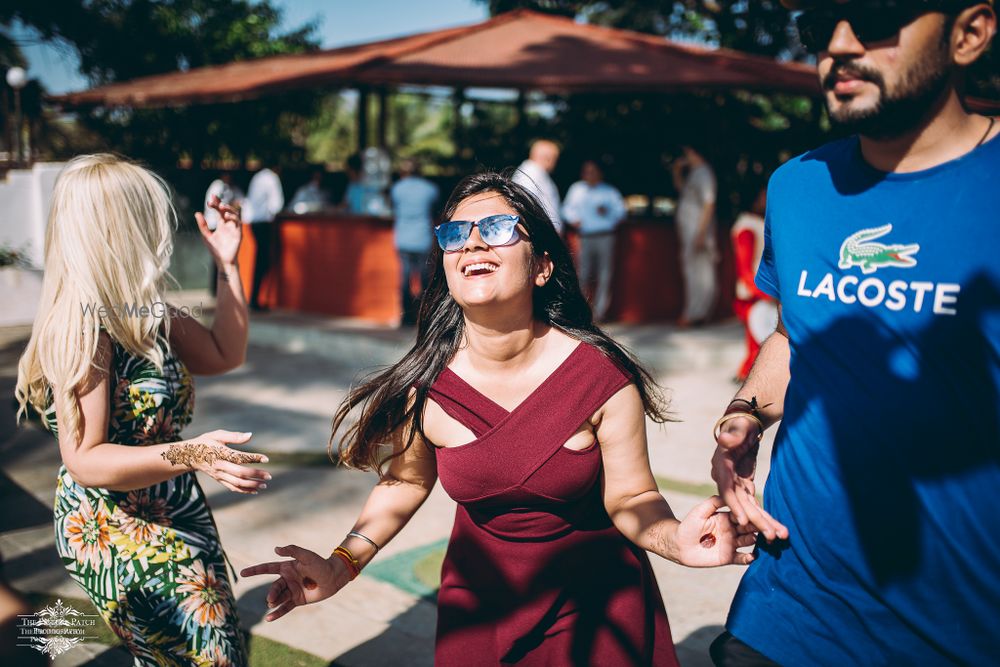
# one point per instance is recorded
(24, 208)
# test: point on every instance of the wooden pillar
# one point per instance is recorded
(18, 130)
(457, 138)
(521, 131)
(383, 116)
(362, 118)
(8, 126)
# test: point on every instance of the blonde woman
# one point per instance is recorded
(108, 368)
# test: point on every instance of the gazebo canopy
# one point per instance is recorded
(524, 50)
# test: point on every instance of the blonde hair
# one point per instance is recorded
(107, 244)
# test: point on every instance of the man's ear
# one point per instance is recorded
(544, 272)
(972, 33)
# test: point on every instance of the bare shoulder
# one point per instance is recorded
(626, 402)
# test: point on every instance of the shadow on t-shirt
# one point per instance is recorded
(919, 446)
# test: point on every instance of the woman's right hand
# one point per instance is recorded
(211, 454)
(305, 579)
(224, 241)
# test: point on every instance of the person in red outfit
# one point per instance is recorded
(748, 246)
(534, 421)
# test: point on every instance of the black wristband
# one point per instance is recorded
(752, 404)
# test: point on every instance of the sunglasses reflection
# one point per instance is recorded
(495, 230)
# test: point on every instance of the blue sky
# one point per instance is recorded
(341, 22)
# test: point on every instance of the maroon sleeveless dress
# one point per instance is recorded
(535, 572)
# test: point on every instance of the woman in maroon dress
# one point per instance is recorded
(534, 420)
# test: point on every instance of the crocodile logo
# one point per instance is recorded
(859, 249)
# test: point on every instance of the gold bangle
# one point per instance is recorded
(717, 429)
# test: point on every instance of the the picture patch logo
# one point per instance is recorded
(859, 249)
(56, 629)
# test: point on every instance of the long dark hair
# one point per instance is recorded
(384, 396)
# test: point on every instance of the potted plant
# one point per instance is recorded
(13, 257)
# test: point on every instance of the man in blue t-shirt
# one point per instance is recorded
(879, 543)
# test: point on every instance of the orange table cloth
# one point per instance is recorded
(346, 266)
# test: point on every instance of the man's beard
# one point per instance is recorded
(900, 111)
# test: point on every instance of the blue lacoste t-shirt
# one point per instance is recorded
(886, 467)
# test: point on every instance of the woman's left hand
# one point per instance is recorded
(224, 241)
(708, 538)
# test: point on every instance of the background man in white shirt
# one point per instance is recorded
(311, 196)
(227, 192)
(695, 181)
(264, 200)
(223, 188)
(533, 175)
(594, 209)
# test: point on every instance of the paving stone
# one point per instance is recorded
(297, 371)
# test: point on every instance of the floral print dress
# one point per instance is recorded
(150, 559)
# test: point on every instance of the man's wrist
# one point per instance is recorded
(724, 419)
(742, 405)
(748, 405)
(741, 408)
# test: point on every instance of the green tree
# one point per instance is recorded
(557, 7)
(331, 135)
(10, 53)
(119, 40)
(754, 26)
(422, 127)
(123, 39)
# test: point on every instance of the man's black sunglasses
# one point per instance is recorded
(870, 20)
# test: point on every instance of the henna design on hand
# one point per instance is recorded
(189, 454)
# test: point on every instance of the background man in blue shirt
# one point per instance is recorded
(880, 544)
(413, 199)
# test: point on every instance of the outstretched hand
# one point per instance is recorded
(733, 467)
(224, 241)
(707, 538)
(212, 453)
(305, 579)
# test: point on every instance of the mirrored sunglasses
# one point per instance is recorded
(495, 230)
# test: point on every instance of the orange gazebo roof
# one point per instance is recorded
(521, 49)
